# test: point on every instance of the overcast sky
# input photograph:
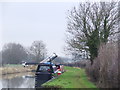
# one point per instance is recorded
(26, 22)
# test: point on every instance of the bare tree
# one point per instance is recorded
(38, 49)
(119, 47)
(91, 24)
(13, 53)
(0, 58)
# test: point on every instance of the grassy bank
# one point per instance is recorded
(10, 69)
(72, 78)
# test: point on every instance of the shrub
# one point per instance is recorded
(104, 70)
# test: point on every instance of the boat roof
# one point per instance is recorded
(48, 64)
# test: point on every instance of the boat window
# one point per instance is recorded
(44, 68)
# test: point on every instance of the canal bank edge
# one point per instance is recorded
(72, 78)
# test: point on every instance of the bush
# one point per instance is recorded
(104, 70)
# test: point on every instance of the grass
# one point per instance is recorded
(13, 65)
(72, 78)
(15, 68)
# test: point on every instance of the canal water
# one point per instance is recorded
(19, 80)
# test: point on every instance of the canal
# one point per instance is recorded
(19, 80)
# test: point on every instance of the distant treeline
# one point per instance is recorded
(80, 64)
(15, 53)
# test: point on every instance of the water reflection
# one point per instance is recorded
(21, 80)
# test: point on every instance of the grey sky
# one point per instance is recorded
(26, 22)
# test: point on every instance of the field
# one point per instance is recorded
(72, 78)
(14, 68)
